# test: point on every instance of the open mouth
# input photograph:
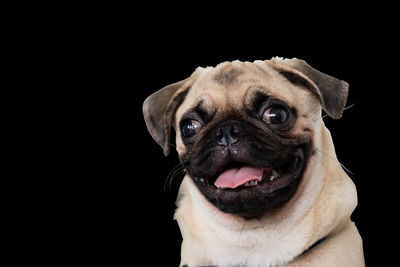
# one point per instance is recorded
(248, 190)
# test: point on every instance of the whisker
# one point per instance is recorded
(330, 156)
(323, 116)
(171, 173)
(177, 174)
(352, 105)
(346, 169)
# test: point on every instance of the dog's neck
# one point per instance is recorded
(213, 237)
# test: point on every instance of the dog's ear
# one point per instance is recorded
(159, 111)
(331, 92)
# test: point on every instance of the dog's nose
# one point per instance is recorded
(227, 134)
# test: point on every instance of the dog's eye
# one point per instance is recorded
(191, 128)
(275, 115)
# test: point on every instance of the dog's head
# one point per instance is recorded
(244, 131)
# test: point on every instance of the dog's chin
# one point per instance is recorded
(253, 197)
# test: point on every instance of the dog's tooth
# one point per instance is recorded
(251, 183)
(274, 175)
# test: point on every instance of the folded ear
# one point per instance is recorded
(159, 110)
(331, 92)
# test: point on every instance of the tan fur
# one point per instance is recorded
(321, 206)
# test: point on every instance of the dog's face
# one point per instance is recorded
(245, 130)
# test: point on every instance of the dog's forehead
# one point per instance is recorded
(233, 84)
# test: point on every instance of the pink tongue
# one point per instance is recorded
(235, 177)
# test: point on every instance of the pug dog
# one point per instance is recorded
(263, 185)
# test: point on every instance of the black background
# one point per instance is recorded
(127, 217)
(146, 210)
(88, 69)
